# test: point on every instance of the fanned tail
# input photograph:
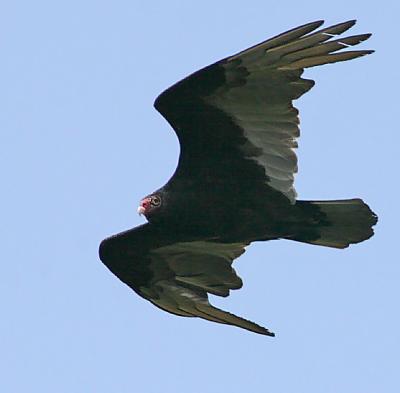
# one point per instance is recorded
(336, 224)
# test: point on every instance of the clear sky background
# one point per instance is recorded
(81, 144)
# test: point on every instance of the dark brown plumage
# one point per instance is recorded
(237, 129)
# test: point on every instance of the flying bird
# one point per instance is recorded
(237, 128)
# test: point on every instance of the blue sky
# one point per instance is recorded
(81, 144)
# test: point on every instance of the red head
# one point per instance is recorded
(149, 205)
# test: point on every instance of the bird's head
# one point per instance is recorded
(149, 205)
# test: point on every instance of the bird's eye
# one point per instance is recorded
(156, 200)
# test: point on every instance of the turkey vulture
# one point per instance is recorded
(237, 128)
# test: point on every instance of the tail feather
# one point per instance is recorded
(336, 223)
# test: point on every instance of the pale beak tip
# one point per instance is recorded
(141, 210)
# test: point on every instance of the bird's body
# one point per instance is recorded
(233, 185)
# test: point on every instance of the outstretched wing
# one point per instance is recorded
(235, 119)
(177, 276)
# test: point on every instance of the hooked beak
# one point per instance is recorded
(141, 210)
